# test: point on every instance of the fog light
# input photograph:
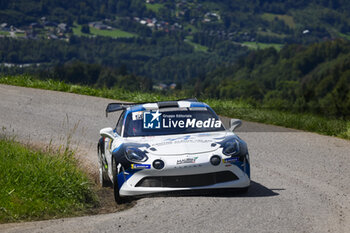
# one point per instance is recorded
(215, 160)
(158, 164)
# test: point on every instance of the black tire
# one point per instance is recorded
(103, 176)
(244, 190)
(118, 199)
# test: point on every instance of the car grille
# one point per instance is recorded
(187, 180)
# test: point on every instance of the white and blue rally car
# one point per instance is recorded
(171, 146)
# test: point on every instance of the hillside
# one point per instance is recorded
(298, 78)
(278, 54)
(248, 20)
(166, 41)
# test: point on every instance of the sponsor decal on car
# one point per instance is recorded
(137, 115)
(188, 166)
(186, 160)
(230, 160)
(179, 138)
(140, 166)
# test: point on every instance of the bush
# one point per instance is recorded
(85, 29)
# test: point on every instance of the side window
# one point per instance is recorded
(120, 124)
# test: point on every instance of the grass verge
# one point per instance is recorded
(303, 121)
(229, 108)
(41, 185)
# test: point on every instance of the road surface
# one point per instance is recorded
(300, 180)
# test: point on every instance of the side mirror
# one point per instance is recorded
(234, 124)
(108, 132)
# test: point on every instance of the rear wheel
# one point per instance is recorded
(103, 177)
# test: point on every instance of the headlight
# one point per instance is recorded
(135, 155)
(231, 148)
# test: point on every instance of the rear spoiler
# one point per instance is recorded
(114, 107)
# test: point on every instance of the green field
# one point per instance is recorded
(41, 185)
(258, 45)
(189, 27)
(197, 47)
(229, 108)
(346, 36)
(270, 34)
(289, 20)
(115, 33)
(154, 7)
(20, 34)
(4, 33)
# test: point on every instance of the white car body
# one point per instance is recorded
(183, 160)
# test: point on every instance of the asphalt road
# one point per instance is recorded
(300, 181)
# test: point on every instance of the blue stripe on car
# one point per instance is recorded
(136, 108)
(197, 104)
(116, 149)
(240, 165)
(124, 176)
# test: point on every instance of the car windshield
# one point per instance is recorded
(171, 121)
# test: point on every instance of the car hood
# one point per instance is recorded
(180, 144)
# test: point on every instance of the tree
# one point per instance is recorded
(85, 29)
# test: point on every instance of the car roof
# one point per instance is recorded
(166, 104)
(134, 107)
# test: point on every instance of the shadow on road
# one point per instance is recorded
(259, 190)
(255, 190)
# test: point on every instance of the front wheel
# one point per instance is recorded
(243, 190)
(118, 199)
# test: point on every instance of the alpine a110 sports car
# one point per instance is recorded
(171, 146)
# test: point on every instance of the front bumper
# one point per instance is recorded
(194, 176)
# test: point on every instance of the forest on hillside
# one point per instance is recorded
(300, 78)
(291, 55)
(167, 59)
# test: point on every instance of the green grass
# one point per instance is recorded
(286, 18)
(345, 36)
(4, 33)
(115, 33)
(229, 108)
(271, 34)
(20, 34)
(189, 26)
(302, 121)
(197, 47)
(258, 45)
(154, 7)
(77, 30)
(41, 185)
